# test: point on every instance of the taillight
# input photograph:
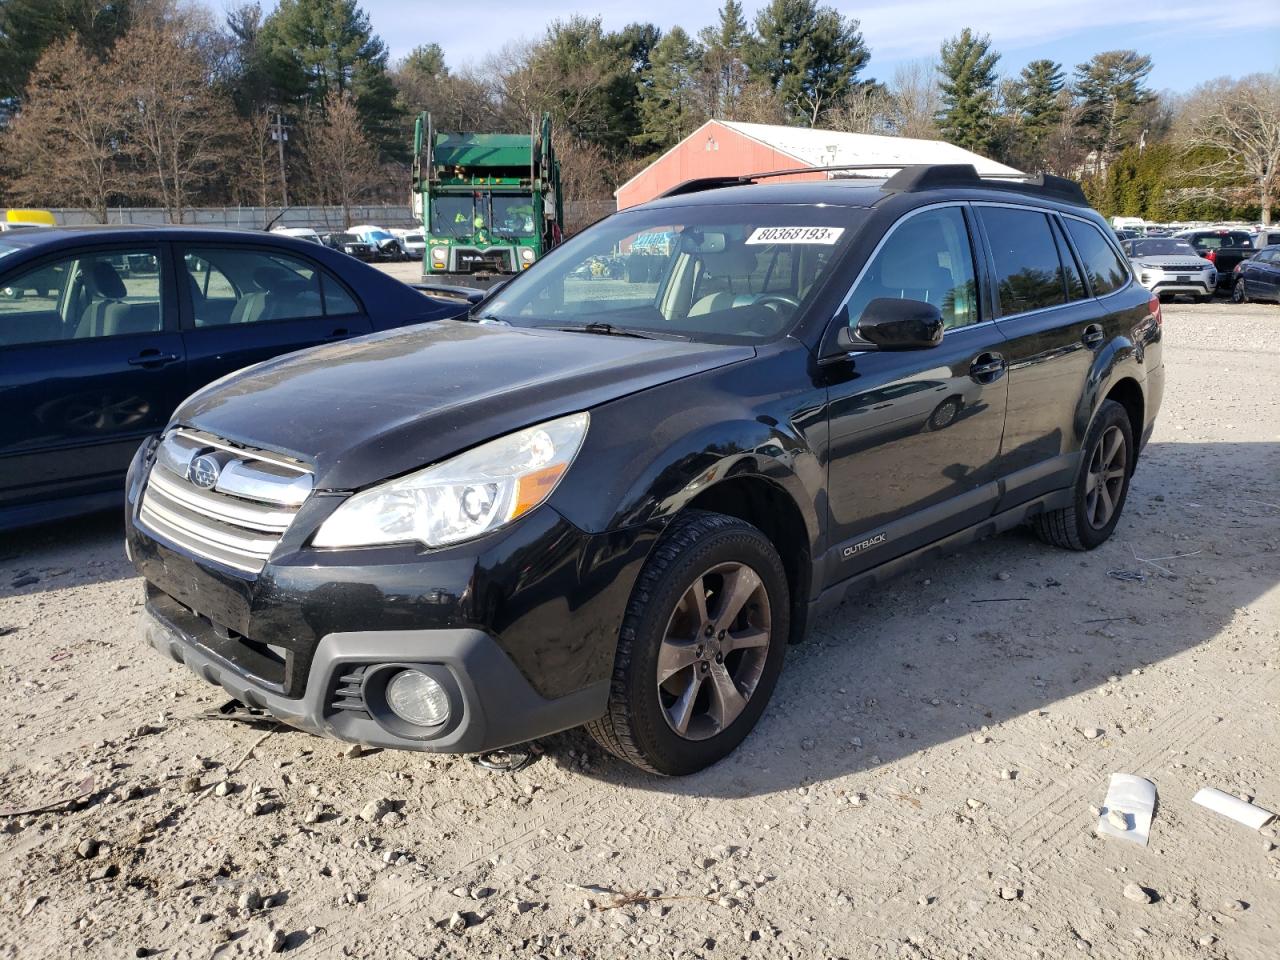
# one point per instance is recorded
(1212, 256)
(1154, 306)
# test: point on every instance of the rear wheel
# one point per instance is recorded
(1102, 484)
(1238, 292)
(700, 648)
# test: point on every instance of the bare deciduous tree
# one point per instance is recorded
(916, 99)
(342, 163)
(63, 147)
(181, 131)
(1239, 122)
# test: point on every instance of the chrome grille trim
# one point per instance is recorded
(240, 520)
(243, 513)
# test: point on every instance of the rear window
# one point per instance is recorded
(1106, 269)
(1216, 241)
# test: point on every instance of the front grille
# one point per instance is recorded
(472, 260)
(221, 501)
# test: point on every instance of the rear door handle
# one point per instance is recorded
(153, 358)
(340, 334)
(987, 367)
(1093, 335)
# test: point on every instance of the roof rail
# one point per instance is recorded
(912, 178)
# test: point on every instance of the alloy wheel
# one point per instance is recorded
(1105, 481)
(714, 651)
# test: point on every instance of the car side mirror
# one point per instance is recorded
(888, 323)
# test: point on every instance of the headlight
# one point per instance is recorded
(438, 255)
(526, 254)
(465, 497)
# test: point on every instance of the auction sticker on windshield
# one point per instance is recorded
(823, 235)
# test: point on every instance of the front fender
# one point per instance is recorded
(649, 455)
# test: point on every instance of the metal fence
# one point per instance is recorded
(578, 214)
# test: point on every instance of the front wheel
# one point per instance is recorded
(1101, 486)
(700, 648)
(1238, 292)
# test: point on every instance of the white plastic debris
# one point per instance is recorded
(1130, 801)
(1251, 816)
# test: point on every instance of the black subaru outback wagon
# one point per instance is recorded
(615, 492)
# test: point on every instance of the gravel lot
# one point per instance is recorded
(921, 785)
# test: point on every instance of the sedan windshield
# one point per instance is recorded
(1163, 248)
(728, 274)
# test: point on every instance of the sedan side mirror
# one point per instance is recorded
(888, 323)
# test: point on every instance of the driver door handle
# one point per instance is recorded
(987, 367)
(153, 358)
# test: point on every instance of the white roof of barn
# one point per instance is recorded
(829, 148)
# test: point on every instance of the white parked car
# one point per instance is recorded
(414, 243)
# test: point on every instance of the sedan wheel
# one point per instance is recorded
(1238, 294)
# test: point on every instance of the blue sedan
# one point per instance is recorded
(104, 330)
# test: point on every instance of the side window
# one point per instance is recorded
(1025, 255)
(78, 298)
(1071, 272)
(30, 305)
(927, 257)
(230, 285)
(1104, 267)
(336, 299)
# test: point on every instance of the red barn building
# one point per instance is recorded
(721, 148)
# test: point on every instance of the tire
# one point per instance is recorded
(1238, 292)
(643, 718)
(1082, 525)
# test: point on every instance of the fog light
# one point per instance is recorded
(415, 698)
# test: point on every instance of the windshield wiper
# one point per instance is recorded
(609, 330)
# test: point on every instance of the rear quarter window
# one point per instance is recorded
(1106, 269)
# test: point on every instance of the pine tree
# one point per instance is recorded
(968, 85)
(29, 27)
(811, 54)
(724, 56)
(322, 47)
(1111, 89)
(1039, 85)
(668, 110)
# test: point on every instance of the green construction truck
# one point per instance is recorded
(490, 202)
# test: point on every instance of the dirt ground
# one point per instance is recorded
(921, 786)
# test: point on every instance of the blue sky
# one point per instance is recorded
(1191, 41)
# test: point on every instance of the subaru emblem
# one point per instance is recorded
(203, 471)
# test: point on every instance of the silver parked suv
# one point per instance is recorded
(1168, 266)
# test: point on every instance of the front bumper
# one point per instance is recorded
(493, 705)
(522, 625)
(1198, 285)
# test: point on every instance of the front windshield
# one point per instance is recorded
(453, 216)
(512, 215)
(1163, 248)
(728, 274)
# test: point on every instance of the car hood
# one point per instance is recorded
(368, 409)
(1176, 261)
